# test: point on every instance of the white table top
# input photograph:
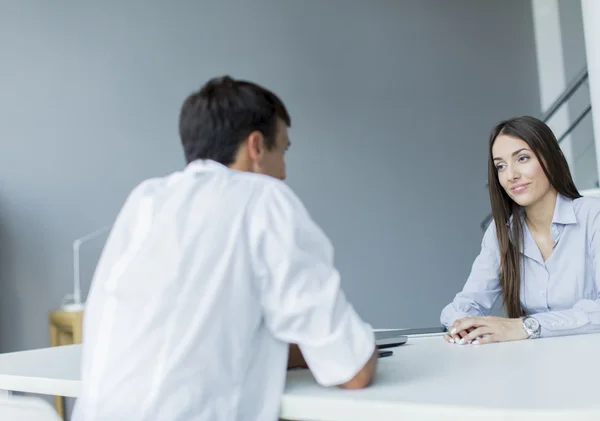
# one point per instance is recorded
(548, 375)
(47, 371)
(544, 374)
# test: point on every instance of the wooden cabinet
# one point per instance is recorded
(65, 329)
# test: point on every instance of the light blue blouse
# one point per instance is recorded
(562, 293)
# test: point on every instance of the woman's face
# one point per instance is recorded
(519, 171)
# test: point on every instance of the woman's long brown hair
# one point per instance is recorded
(544, 145)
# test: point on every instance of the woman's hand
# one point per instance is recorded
(454, 337)
(483, 330)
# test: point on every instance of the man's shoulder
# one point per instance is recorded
(152, 185)
(257, 180)
(263, 187)
(247, 189)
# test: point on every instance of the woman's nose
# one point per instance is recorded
(512, 174)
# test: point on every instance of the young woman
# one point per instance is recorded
(541, 253)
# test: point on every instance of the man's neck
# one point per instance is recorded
(241, 161)
(239, 166)
(540, 214)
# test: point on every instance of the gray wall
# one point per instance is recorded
(391, 101)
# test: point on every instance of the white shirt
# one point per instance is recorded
(207, 275)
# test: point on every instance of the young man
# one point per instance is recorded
(210, 274)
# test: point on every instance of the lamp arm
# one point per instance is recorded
(76, 296)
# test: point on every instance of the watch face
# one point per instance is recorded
(532, 324)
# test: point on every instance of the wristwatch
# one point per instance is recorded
(532, 327)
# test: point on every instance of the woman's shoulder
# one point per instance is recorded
(587, 212)
(587, 209)
(490, 239)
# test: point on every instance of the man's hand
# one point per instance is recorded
(365, 376)
(483, 330)
(362, 379)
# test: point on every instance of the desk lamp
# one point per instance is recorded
(72, 302)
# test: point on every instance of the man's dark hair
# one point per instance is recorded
(216, 119)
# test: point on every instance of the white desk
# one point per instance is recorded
(48, 371)
(545, 376)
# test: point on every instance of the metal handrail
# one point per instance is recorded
(566, 95)
(575, 123)
(579, 80)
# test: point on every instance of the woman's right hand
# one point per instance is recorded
(456, 337)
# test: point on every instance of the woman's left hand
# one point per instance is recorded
(483, 330)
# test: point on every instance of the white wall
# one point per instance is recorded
(591, 17)
(583, 146)
(561, 56)
(551, 67)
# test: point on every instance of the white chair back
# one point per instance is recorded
(20, 408)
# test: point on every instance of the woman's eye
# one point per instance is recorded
(523, 158)
(500, 167)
